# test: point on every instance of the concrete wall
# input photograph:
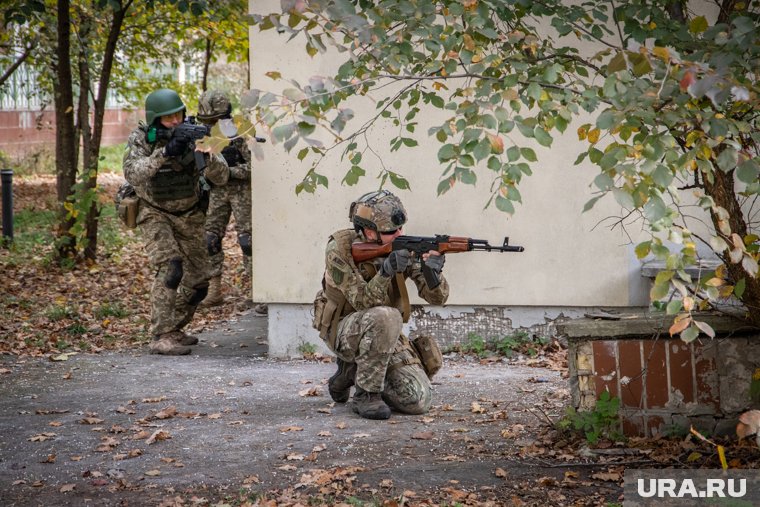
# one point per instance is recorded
(571, 259)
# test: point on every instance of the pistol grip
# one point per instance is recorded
(431, 277)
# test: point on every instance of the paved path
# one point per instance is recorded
(77, 432)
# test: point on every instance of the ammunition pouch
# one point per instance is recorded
(327, 314)
(429, 353)
(127, 205)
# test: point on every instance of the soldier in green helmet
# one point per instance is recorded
(357, 313)
(162, 169)
(233, 199)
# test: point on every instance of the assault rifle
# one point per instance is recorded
(419, 245)
(189, 132)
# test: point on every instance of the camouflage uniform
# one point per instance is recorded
(369, 332)
(233, 198)
(172, 225)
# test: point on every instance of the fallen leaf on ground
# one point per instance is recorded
(158, 435)
(423, 435)
(67, 487)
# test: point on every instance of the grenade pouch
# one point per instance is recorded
(429, 353)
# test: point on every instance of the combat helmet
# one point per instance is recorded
(213, 105)
(161, 103)
(380, 211)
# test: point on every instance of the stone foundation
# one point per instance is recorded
(665, 385)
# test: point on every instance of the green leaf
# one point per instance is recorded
(643, 249)
(655, 208)
(674, 307)
(513, 153)
(528, 154)
(398, 180)
(591, 202)
(739, 288)
(504, 204)
(623, 198)
(444, 186)
(727, 159)
(748, 171)
(446, 152)
(698, 25)
(659, 291)
(690, 334)
(617, 63)
(543, 137)
(533, 91)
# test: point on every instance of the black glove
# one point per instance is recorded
(232, 156)
(435, 262)
(396, 262)
(175, 147)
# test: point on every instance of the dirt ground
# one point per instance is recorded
(228, 426)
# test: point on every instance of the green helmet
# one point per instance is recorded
(161, 103)
(380, 211)
(213, 105)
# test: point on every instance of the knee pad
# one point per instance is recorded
(244, 239)
(173, 275)
(198, 294)
(213, 243)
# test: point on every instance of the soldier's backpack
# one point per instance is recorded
(127, 205)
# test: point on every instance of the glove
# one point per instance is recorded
(396, 262)
(232, 156)
(175, 147)
(435, 262)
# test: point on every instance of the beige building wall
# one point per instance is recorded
(571, 258)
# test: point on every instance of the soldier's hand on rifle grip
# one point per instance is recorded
(396, 262)
(434, 261)
(175, 147)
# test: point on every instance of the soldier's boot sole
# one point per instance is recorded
(370, 405)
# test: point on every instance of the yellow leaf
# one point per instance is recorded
(661, 53)
(722, 456)
(694, 456)
(593, 136)
(469, 44)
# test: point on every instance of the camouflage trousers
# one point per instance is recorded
(177, 253)
(231, 199)
(385, 360)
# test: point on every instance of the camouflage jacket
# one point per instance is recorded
(365, 288)
(145, 167)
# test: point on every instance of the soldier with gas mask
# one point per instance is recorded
(233, 199)
(164, 172)
(358, 315)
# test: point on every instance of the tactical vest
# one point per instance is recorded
(175, 180)
(330, 305)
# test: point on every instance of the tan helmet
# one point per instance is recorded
(213, 105)
(380, 211)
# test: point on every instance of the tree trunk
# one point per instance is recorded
(206, 63)
(92, 154)
(65, 135)
(15, 65)
(724, 194)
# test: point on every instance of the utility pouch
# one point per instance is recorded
(319, 309)
(429, 353)
(127, 205)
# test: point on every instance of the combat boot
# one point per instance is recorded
(167, 344)
(214, 296)
(370, 405)
(187, 339)
(340, 384)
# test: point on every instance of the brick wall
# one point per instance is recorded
(26, 131)
(663, 383)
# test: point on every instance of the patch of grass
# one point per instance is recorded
(39, 161)
(307, 350)
(59, 312)
(62, 345)
(520, 342)
(77, 328)
(111, 310)
(111, 158)
(602, 422)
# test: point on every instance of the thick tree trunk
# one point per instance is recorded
(66, 141)
(724, 194)
(206, 63)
